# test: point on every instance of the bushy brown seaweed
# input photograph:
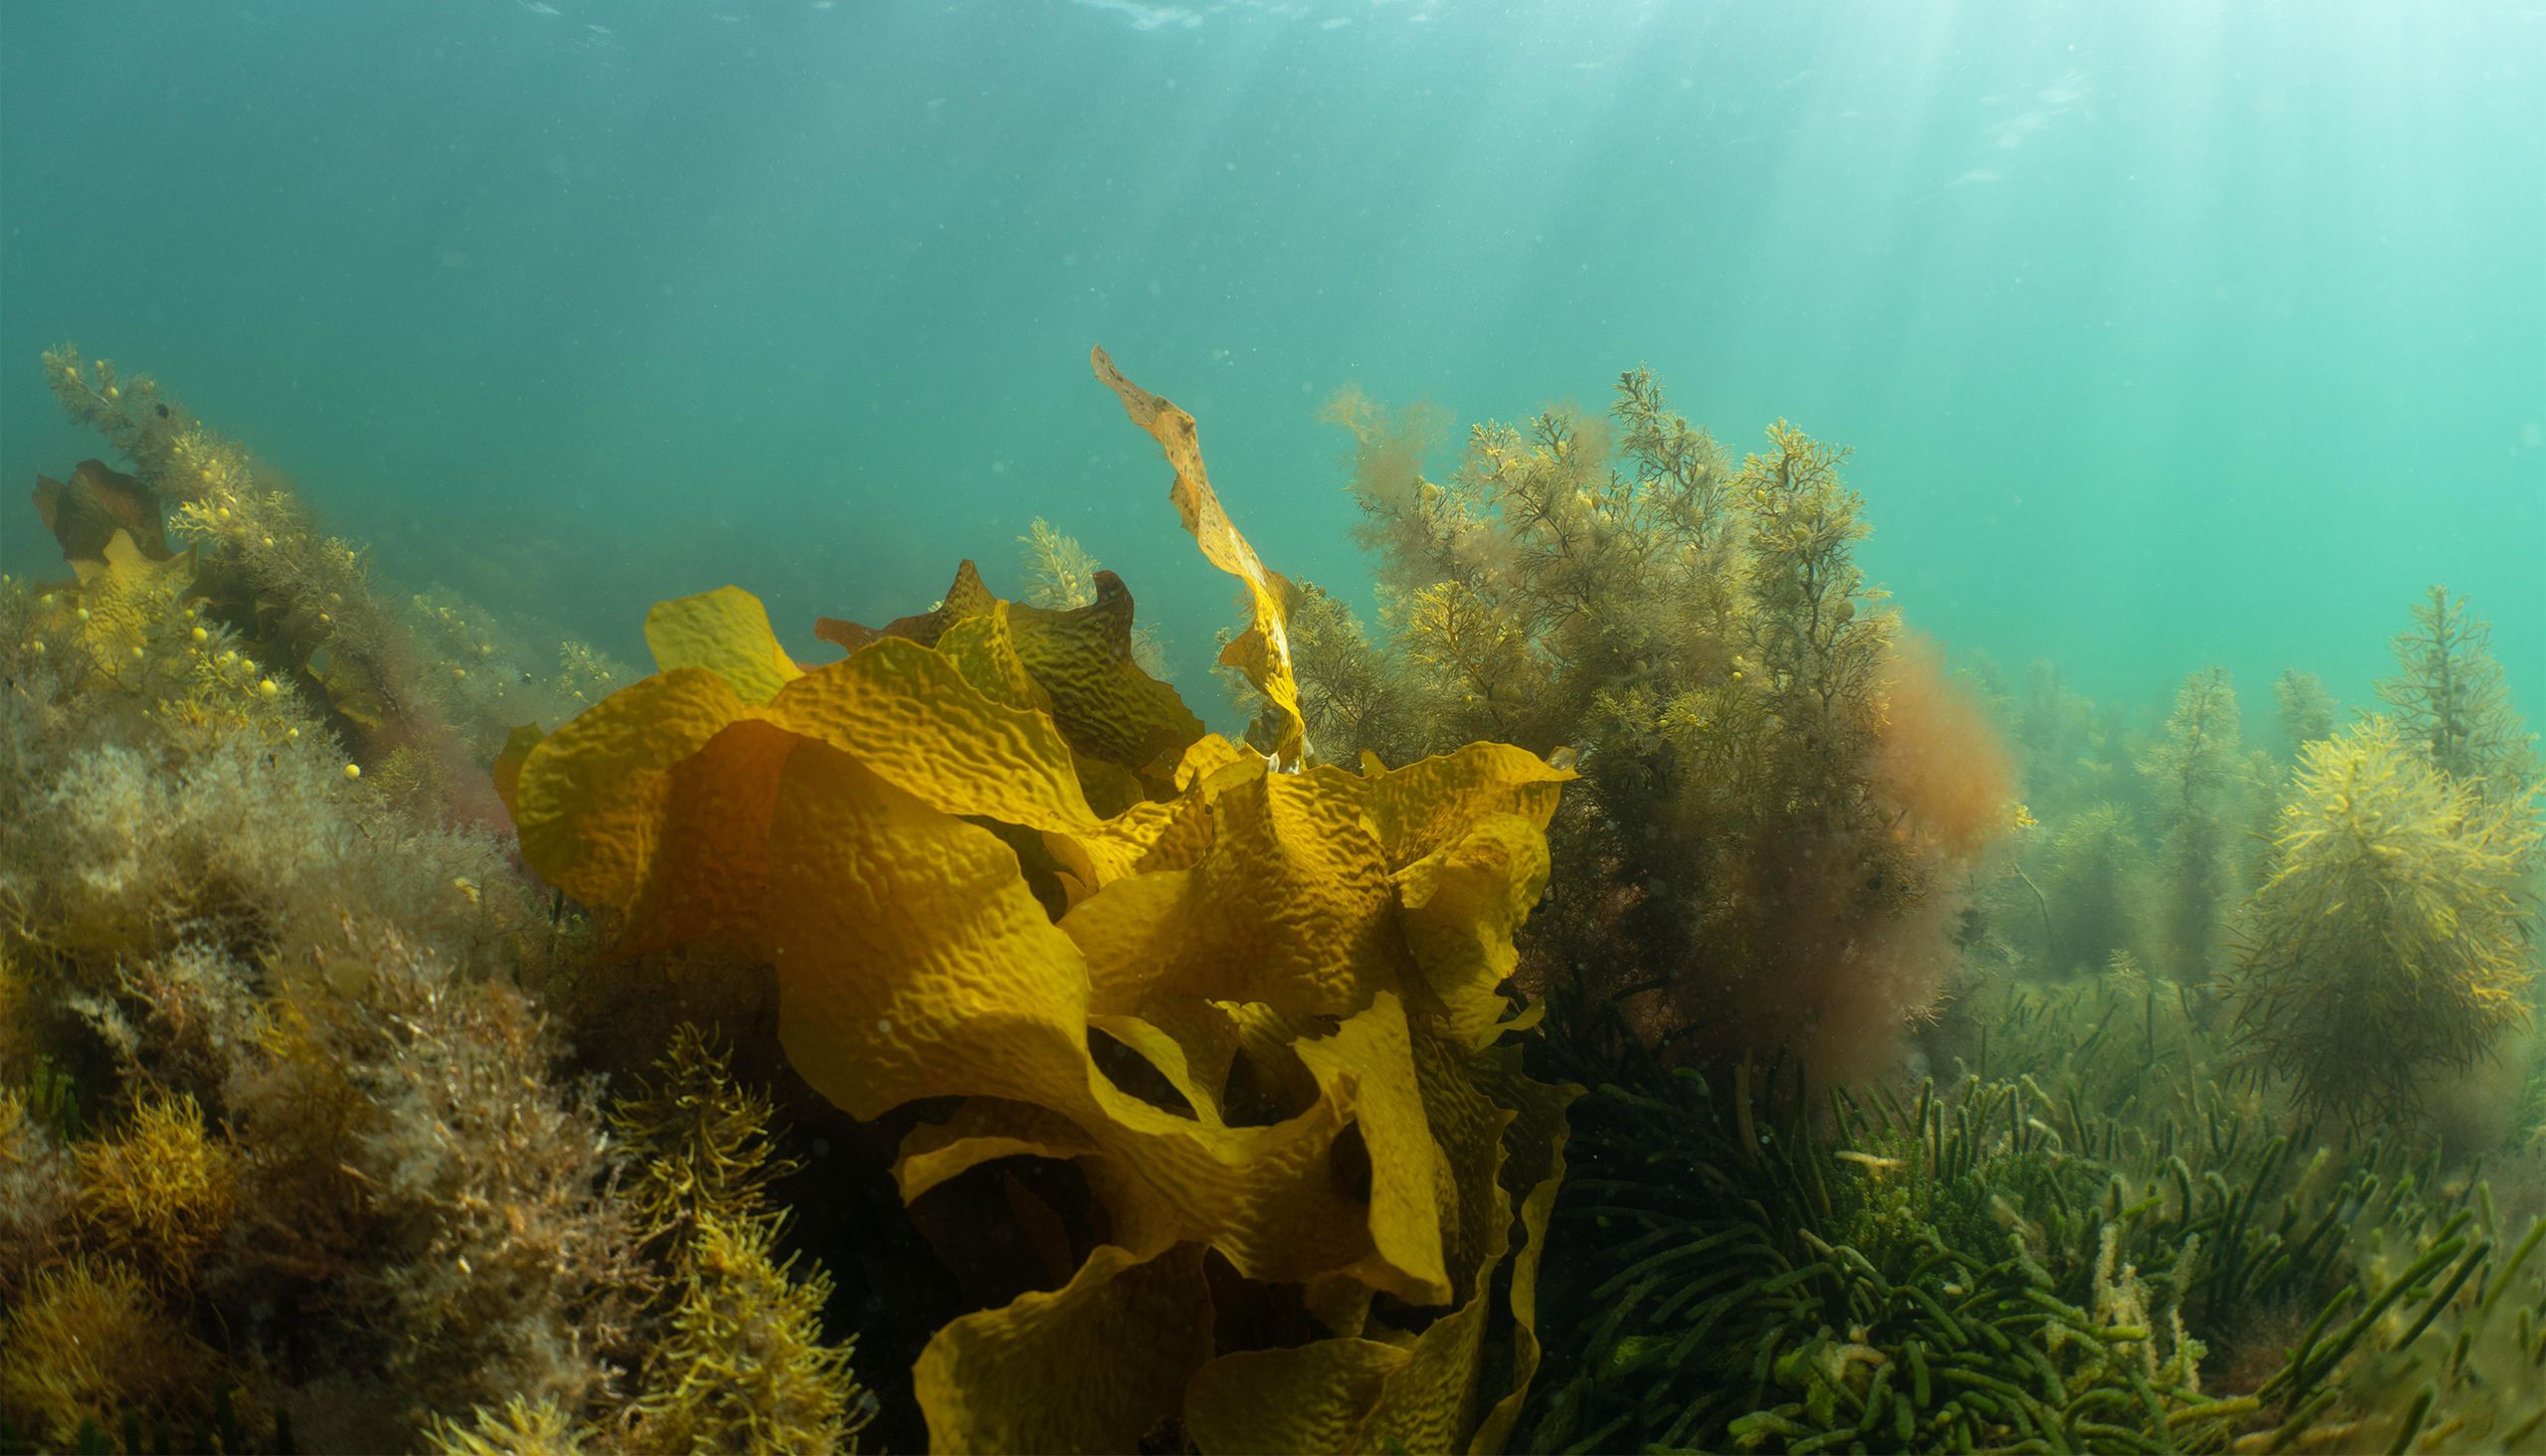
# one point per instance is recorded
(423, 693)
(2448, 696)
(2394, 940)
(1781, 797)
(2203, 801)
(318, 1130)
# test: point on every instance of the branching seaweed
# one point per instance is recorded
(2449, 698)
(1781, 797)
(2393, 938)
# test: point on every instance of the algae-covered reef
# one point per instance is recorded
(444, 1148)
(291, 1156)
(1630, 995)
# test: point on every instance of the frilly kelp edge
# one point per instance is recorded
(988, 859)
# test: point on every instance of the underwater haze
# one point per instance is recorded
(1837, 756)
(2165, 334)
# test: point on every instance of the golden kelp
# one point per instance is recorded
(1075, 664)
(1259, 1011)
(1263, 650)
(87, 513)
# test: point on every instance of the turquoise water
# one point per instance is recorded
(2168, 333)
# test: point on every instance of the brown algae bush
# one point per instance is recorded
(288, 1155)
(2394, 938)
(1783, 796)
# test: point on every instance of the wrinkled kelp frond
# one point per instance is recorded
(1060, 576)
(998, 872)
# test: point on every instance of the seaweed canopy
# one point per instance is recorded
(2392, 940)
(1258, 1013)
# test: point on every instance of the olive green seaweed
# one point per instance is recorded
(2392, 940)
(2040, 1254)
(2449, 697)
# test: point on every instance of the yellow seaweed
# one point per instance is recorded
(726, 631)
(2392, 940)
(1151, 1317)
(1293, 976)
(1263, 650)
